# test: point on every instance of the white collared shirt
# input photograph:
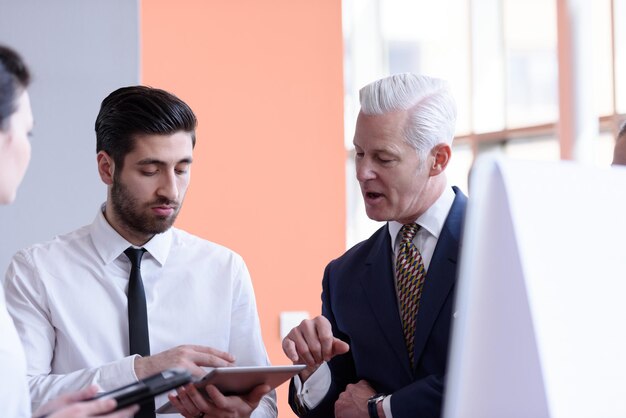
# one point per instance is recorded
(68, 300)
(14, 397)
(431, 222)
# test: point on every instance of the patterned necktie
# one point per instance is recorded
(410, 280)
(138, 337)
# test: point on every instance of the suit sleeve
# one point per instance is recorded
(341, 367)
(422, 398)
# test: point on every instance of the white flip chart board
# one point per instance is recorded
(540, 328)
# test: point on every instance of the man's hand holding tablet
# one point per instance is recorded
(232, 390)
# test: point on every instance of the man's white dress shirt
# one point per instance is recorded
(431, 222)
(14, 398)
(68, 300)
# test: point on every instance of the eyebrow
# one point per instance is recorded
(154, 161)
(388, 150)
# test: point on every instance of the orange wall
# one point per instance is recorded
(265, 80)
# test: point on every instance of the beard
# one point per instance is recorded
(136, 216)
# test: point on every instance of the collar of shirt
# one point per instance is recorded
(109, 244)
(431, 222)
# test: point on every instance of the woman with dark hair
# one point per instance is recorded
(16, 123)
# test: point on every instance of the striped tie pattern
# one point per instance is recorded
(410, 281)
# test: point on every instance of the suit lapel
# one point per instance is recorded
(441, 274)
(378, 284)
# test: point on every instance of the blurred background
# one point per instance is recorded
(275, 86)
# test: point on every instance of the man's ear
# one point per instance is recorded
(106, 167)
(441, 156)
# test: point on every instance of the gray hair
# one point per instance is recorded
(432, 110)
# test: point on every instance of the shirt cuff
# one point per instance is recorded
(311, 393)
(387, 407)
(117, 373)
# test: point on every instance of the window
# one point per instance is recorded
(501, 58)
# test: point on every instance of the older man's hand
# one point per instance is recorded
(312, 343)
(352, 402)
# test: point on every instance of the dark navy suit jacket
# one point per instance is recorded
(359, 299)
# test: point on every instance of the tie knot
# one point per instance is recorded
(408, 231)
(134, 255)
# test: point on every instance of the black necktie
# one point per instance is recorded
(138, 336)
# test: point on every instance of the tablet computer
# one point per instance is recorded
(241, 380)
(147, 388)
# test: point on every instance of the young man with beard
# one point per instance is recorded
(129, 295)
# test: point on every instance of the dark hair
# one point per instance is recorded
(622, 132)
(140, 110)
(14, 79)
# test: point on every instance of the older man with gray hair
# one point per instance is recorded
(380, 347)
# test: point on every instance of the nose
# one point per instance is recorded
(364, 170)
(168, 188)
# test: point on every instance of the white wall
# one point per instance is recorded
(78, 52)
